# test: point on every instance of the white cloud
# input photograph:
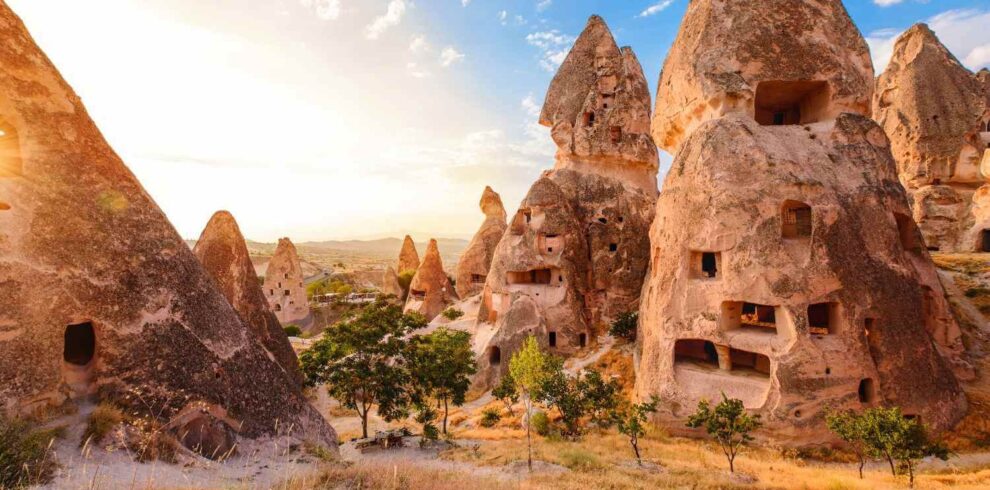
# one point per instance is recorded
(554, 45)
(416, 71)
(543, 5)
(656, 8)
(419, 44)
(502, 16)
(530, 106)
(464, 3)
(325, 9)
(393, 16)
(887, 3)
(963, 31)
(449, 56)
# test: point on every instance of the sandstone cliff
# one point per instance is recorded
(430, 290)
(473, 266)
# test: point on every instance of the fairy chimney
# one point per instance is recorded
(473, 266)
(935, 113)
(408, 257)
(390, 283)
(575, 254)
(108, 299)
(786, 270)
(430, 290)
(223, 253)
(284, 288)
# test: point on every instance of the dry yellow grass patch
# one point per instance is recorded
(388, 476)
(619, 363)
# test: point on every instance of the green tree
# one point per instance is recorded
(292, 330)
(600, 397)
(849, 427)
(361, 361)
(405, 279)
(577, 397)
(728, 423)
(887, 433)
(624, 326)
(452, 313)
(507, 392)
(441, 365)
(528, 368)
(631, 421)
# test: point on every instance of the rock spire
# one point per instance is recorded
(284, 287)
(473, 266)
(408, 257)
(430, 291)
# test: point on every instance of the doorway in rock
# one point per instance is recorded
(78, 355)
(985, 241)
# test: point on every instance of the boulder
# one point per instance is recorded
(284, 287)
(430, 290)
(473, 266)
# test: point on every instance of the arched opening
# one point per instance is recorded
(686, 350)
(780, 103)
(10, 150)
(867, 391)
(553, 339)
(536, 276)
(278, 307)
(985, 241)
(749, 316)
(494, 356)
(80, 344)
(823, 318)
(796, 220)
(583, 340)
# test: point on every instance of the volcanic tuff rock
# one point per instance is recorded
(284, 286)
(408, 258)
(430, 290)
(719, 68)
(224, 254)
(390, 283)
(935, 112)
(473, 266)
(786, 269)
(108, 299)
(575, 253)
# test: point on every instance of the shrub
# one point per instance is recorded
(624, 326)
(452, 313)
(540, 423)
(292, 330)
(580, 459)
(26, 457)
(490, 416)
(430, 432)
(103, 419)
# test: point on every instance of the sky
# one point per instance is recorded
(359, 119)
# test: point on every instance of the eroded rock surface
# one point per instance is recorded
(430, 290)
(473, 266)
(104, 297)
(408, 257)
(223, 252)
(935, 112)
(390, 283)
(284, 288)
(575, 254)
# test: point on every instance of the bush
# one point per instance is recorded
(490, 416)
(541, 423)
(580, 460)
(624, 327)
(452, 313)
(103, 419)
(292, 331)
(26, 457)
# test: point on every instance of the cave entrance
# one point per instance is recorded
(781, 103)
(539, 276)
(985, 241)
(80, 344)
(494, 355)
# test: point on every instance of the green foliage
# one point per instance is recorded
(850, 428)
(624, 326)
(578, 397)
(631, 420)
(362, 361)
(292, 330)
(529, 367)
(506, 391)
(426, 415)
(728, 423)
(405, 279)
(489, 417)
(26, 456)
(540, 423)
(101, 421)
(328, 286)
(600, 397)
(452, 313)
(441, 365)
(887, 433)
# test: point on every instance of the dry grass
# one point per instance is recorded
(389, 476)
(618, 363)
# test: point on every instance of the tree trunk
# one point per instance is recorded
(861, 463)
(364, 424)
(732, 464)
(910, 468)
(445, 412)
(635, 444)
(529, 440)
(893, 471)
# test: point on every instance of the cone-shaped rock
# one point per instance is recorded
(224, 254)
(472, 268)
(598, 107)
(102, 296)
(408, 257)
(284, 288)
(717, 67)
(390, 283)
(787, 271)
(577, 250)
(934, 111)
(430, 291)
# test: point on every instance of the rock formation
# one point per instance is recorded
(473, 266)
(430, 290)
(284, 286)
(786, 269)
(103, 298)
(935, 112)
(408, 258)
(576, 252)
(224, 254)
(390, 283)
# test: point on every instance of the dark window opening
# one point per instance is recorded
(740, 360)
(80, 344)
(822, 318)
(538, 276)
(781, 103)
(749, 316)
(867, 391)
(418, 295)
(933, 249)
(553, 339)
(10, 150)
(907, 232)
(709, 266)
(560, 278)
(613, 247)
(286, 275)
(615, 134)
(278, 307)
(583, 340)
(287, 292)
(796, 220)
(589, 119)
(603, 221)
(695, 350)
(985, 241)
(494, 356)
(936, 181)
(271, 292)
(478, 278)
(621, 219)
